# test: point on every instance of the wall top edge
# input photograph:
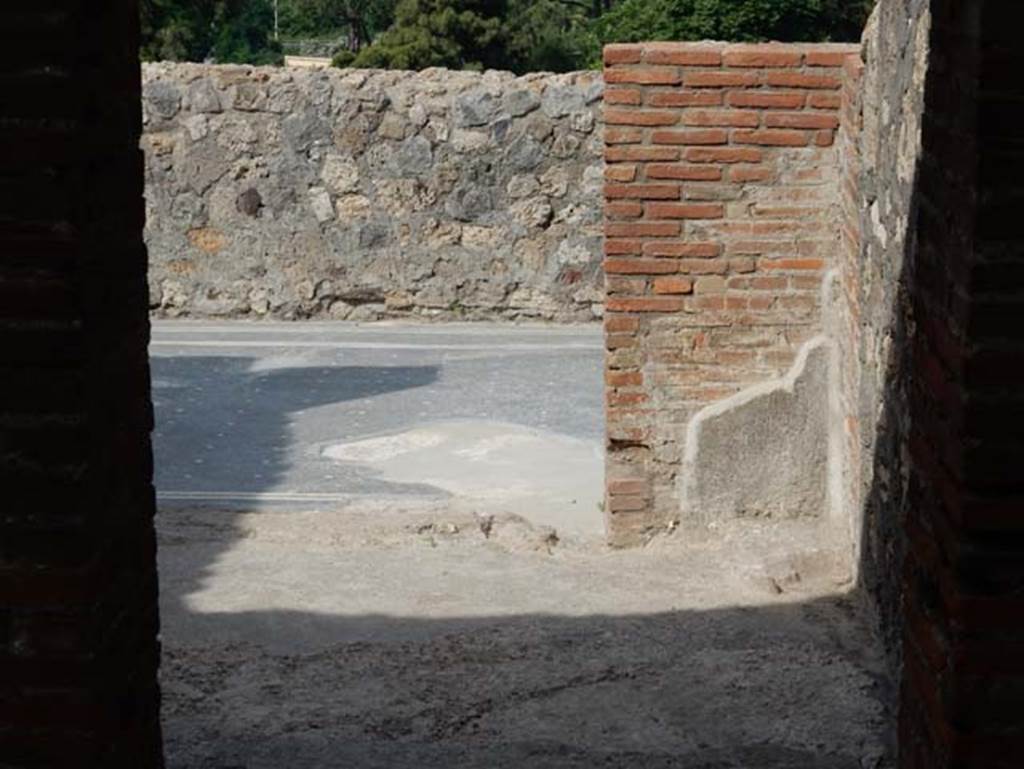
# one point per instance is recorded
(151, 68)
(730, 47)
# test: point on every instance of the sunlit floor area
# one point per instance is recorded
(314, 416)
(381, 547)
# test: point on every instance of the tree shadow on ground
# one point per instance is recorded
(223, 425)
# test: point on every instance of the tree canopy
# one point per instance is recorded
(219, 30)
(741, 20)
(462, 34)
(521, 35)
(356, 22)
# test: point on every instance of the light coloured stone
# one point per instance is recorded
(440, 129)
(481, 238)
(522, 185)
(418, 115)
(582, 121)
(530, 253)
(469, 141)
(572, 252)
(259, 301)
(402, 196)
(572, 214)
(392, 127)
(320, 202)
(443, 233)
(565, 145)
(198, 127)
(352, 206)
(340, 174)
(593, 178)
(532, 212)
(554, 182)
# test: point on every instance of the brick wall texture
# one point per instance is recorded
(755, 196)
(758, 195)
(963, 604)
(78, 617)
(930, 369)
(721, 220)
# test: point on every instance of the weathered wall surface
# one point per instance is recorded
(762, 453)
(363, 194)
(722, 216)
(962, 688)
(78, 584)
(872, 314)
(931, 369)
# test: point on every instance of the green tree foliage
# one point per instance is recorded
(521, 35)
(174, 30)
(197, 30)
(462, 34)
(356, 21)
(243, 33)
(742, 20)
(550, 35)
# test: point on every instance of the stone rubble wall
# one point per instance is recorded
(881, 148)
(361, 194)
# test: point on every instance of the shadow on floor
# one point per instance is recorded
(773, 686)
(779, 687)
(223, 425)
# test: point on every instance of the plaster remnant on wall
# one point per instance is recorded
(723, 218)
(763, 452)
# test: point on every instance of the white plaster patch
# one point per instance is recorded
(493, 467)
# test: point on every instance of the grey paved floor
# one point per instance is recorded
(309, 415)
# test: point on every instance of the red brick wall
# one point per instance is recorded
(78, 597)
(962, 699)
(942, 651)
(721, 219)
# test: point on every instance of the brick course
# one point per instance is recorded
(725, 263)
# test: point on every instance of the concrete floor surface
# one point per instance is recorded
(380, 548)
(407, 638)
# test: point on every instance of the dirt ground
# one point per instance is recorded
(390, 637)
